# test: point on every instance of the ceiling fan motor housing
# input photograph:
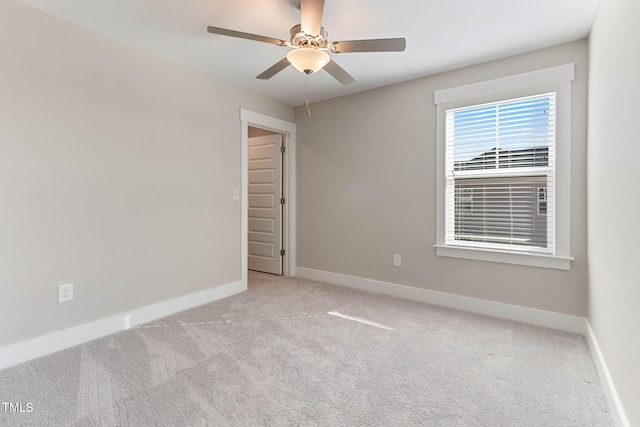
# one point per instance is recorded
(300, 39)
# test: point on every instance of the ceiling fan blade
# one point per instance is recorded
(274, 69)
(374, 45)
(311, 16)
(248, 36)
(339, 73)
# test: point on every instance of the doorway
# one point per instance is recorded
(287, 130)
(265, 203)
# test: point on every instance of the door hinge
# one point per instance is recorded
(281, 252)
(282, 149)
(282, 201)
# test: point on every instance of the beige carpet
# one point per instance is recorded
(294, 352)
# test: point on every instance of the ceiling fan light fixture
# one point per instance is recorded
(308, 59)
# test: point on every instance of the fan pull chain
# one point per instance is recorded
(306, 94)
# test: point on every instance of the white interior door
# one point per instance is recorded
(265, 206)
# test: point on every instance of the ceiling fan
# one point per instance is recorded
(310, 45)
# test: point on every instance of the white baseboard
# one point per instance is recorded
(40, 346)
(30, 349)
(531, 316)
(615, 406)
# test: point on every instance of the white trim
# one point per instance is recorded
(288, 130)
(46, 344)
(615, 406)
(531, 316)
(551, 75)
(562, 182)
(505, 257)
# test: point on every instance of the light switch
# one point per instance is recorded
(236, 194)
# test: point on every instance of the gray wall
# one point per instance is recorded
(367, 183)
(614, 177)
(117, 169)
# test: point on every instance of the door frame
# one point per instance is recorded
(288, 131)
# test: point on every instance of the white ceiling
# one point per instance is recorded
(441, 35)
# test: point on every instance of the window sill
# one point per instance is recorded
(491, 255)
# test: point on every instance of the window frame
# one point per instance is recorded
(554, 79)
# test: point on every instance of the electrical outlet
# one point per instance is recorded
(397, 260)
(65, 292)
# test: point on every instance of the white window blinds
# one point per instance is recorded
(500, 174)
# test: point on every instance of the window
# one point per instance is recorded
(542, 200)
(504, 169)
(500, 158)
(464, 200)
